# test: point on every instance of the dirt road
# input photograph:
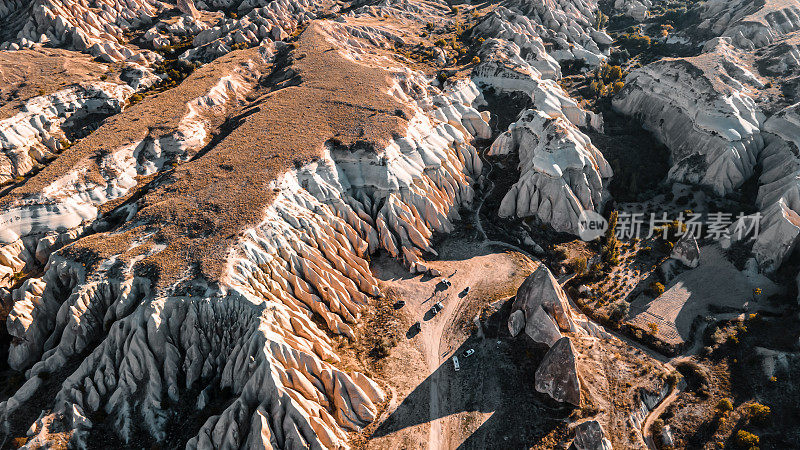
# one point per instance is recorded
(429, 393)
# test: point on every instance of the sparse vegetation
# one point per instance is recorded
(610, 251)
(746, 440)
(634, 43)
(724, 405)
(136, 98)
(578, 266)
(759, 413)
(619, 311)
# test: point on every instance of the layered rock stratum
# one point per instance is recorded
(192, 192)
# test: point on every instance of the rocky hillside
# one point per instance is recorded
(194, 195)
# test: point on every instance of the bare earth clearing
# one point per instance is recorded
(433, 406)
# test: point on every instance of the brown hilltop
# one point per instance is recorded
(199, 212)
(158, 115)
(27, 73)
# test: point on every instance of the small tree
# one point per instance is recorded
(610, 250)
(759, 413)
(657, 288)
(620, 311)
(653, 328)
(746, 439)
(615, 72)
(611, 233)
(578, 265)
(596, 88)
(724, 405)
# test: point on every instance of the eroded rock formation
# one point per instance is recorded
(562, 173)
(557, 375)
(686, 251)
(700, 109)
(545, 306)
(242, 320)
(589, 435)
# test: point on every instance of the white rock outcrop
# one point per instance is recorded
(750, 24)
(635, 9)
(778, 227)
(503, 69)
(686, 251)
(266, 21)
(700, 108)
(589, 435)
(95, 30)
(505, 24)
(567, 24)
(561, 173)
(516, 322)
(557, 375)
(34, 226)
(36, 133)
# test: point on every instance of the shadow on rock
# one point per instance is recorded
(498, 379)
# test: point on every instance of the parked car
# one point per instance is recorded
(468, 353)
(399, 304)
(436, 308)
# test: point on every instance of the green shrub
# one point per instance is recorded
(634, 42)
(578, 265)
(746, 439)
(619, 311)
(596, 88)
(609, 73)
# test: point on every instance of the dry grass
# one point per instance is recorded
(28, 73)
(204, 205)
(157, 116)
